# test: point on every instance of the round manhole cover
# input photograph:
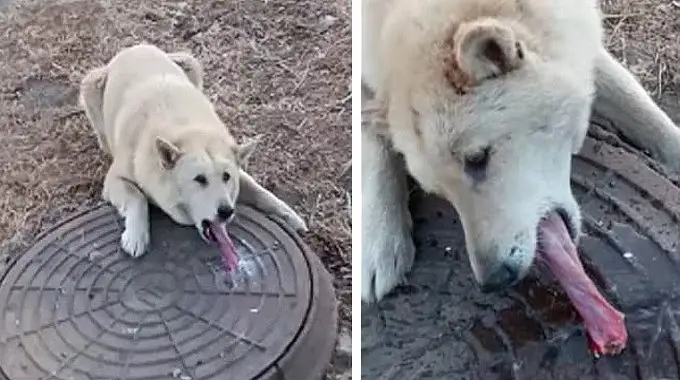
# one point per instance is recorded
(75, 307)
(440, 326)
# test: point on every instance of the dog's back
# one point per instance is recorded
(135, 75)
(147, 91)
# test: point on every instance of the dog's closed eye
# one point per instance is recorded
(201, 179)
(225, 177)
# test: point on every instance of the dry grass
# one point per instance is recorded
(276, 68)
(645, 36)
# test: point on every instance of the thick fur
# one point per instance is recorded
(149, 113)
(454, 80)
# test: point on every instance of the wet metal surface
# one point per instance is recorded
(440, 326)
(76, 307)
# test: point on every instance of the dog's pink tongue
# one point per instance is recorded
(225, 245)
(607, 334)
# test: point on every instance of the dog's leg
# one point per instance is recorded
(133, 207)
(621, 99)
(91, 98)
(387, 251)
(253, 194)
(190, 66)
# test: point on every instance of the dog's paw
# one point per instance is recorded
(135, 242)
(296, 221)
(669, 154)
(673, 162)
(385, 260)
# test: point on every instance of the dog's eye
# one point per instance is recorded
(201, 180)
(225, 176)
(478, 161)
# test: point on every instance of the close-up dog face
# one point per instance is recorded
(487, 124)
(206, 180)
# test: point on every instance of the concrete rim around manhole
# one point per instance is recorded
(173, 312)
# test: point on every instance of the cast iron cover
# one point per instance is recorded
(75, 307)
(440, 326)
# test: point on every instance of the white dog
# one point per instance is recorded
(483, 102)
(148, 111)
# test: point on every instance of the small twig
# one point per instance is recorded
(341, 101)
(302, 124)
(659, 77)
(313, 211)
(619, 15)
(345, 168)
(624, 56)
(69, 114)
(616, 29)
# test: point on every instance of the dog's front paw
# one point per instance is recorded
(673, 161)
(669, 154)
(296, 221)
(135, 242)
(385, 259)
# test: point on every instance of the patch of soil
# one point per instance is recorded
(278, 69)
(645, 36)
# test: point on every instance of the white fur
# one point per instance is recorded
(148, 111)
(445, 94)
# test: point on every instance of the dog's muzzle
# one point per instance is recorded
(225, 213)
(507, 274)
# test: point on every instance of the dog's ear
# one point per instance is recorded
(482, 49)
(168, 152)
(245, 150)
(191, 67)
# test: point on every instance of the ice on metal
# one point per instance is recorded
(248, 271)
(96, 255)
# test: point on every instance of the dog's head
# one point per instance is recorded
(203, 172)
(489, 123)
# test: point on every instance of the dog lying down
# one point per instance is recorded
(168, 145)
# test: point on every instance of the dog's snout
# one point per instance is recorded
(505, 275)
(225, 212)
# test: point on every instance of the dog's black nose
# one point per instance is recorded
(506, 275)
(225, 212)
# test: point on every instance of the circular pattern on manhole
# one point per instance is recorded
(76, 307)
(440, 326)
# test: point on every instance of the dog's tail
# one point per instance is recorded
(191, 67)
(91, 99)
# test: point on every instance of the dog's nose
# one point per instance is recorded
(506, 275)
(225, 212)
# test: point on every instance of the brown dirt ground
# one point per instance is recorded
(645, 36)
(276, 68)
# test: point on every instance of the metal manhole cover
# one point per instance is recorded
(440, 326)
(75, 307)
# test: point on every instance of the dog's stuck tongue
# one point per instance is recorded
(225, 245)
(607, 334)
